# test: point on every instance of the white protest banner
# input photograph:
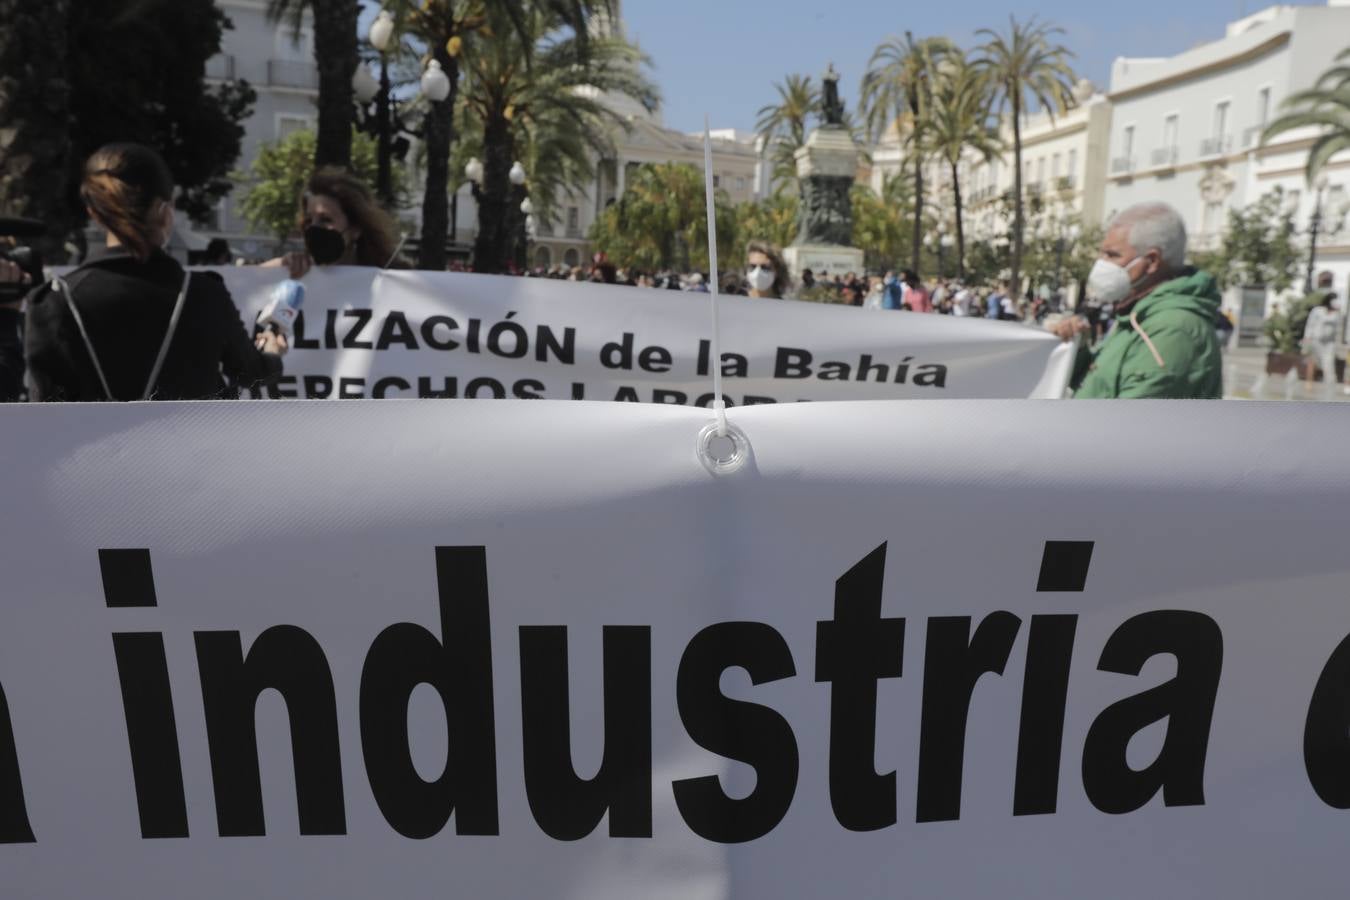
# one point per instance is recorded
(414, 334)
(927, 650)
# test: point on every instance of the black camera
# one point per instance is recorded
(26, 258)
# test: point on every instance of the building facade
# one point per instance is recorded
(279, 64)
(1186, 129)
(647, 141)
(1063, 164)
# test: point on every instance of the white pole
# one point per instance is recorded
(719, 407)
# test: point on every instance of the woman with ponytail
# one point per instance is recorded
(131, 324)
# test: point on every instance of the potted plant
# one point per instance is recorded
(1284, 329)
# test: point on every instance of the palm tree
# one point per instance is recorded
(1326, 105)
(960, 122)
(335, 54)
(1026, 64)
(897, 91)
(551, 112)
(782, 125)
(443, 26)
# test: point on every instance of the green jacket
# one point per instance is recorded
(1178, 318)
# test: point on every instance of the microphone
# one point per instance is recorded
(283, 305)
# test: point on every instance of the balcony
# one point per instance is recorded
(1122, 165)
(1066, 183)
(300, 76)
(1035, 189)
(1164, 157)
(1251, 137)
(220, 68)
(545, 227)
(1216, 146)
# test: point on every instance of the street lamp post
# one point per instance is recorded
(1314, 226)
(380, 35)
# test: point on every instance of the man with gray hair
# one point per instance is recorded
(1163, 344)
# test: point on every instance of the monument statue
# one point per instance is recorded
(826, 168)
(831, 107)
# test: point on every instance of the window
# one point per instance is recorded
(1170, 127)
(1040, 170)
(1127, 142)
(571, 258)
(740, 182)
(1263, 107)
(573, 219)
(289, 125)
(1073, 164)
(1291, 201)
(1213, 218)
(292, 47)
(1054, 167)
(717, 181)
(1220, 119)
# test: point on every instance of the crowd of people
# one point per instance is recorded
(766, 275)
(132, 323)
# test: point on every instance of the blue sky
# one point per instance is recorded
(723, 56)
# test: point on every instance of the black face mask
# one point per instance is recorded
(325, 245)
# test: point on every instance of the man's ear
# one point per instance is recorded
(1154, 264)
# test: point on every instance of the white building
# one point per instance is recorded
(735, 170)
(1186, 129)
(281, 69)
(1063, 163)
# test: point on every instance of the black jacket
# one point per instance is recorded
(126, 307)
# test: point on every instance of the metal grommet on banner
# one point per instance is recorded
(722, 452)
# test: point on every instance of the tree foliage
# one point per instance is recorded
(137, 69)
(960, 123)
(897, 91)
(782, 125)
(131, 70)
(552, 116)
(35, 109)
(276, 181)
(773, 219)
(443, 27)
(1325, 106)
(1026, 65)
(661, 222)
(882, 223)
(1260, 246)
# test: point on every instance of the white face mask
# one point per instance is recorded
(759, 277)
(1110, 282)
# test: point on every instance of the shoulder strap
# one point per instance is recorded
(63, 287)
(168, 336)
(60, 285)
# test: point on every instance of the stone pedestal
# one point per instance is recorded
(826, 168)
(828, 151)
(830, 259)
